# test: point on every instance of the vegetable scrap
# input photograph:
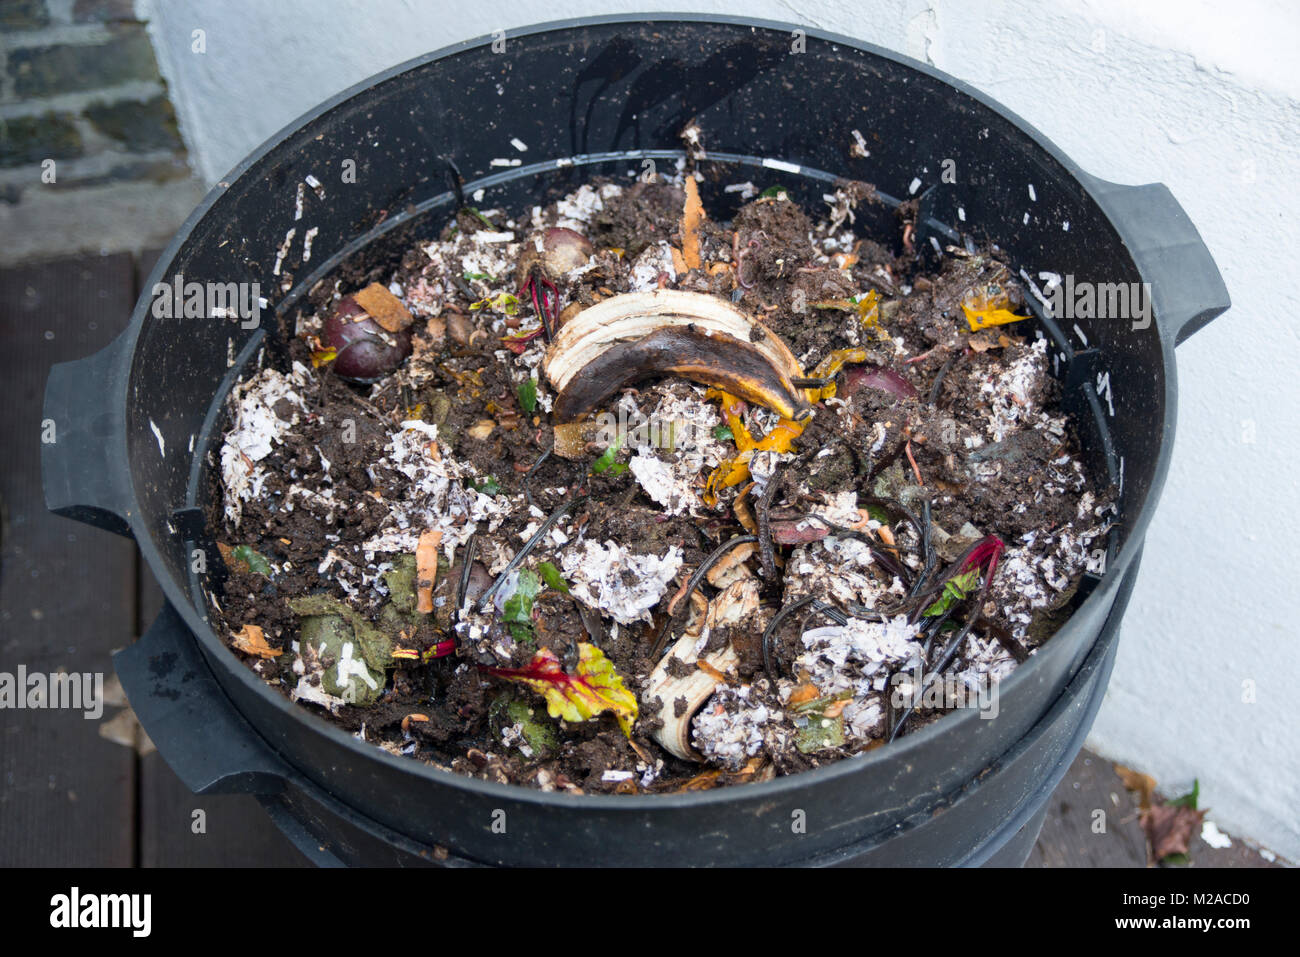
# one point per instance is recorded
(620, 494)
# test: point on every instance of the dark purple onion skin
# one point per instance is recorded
(363, 354)
(876, 377)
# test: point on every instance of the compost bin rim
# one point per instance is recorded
(899, 750)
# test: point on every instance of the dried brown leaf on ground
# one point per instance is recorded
(1169, 828)
(1143, 784)
(385, 308)
(124, 729)
(251, 641)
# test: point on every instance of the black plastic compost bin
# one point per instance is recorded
(138, 422)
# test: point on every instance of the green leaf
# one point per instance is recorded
(1189, 799)
(254, 560)
(955, 589)
(487, 485)
(518, 610)
(478, 275)
(551, 575)
(607, 463)
(528, 395)
(723, 433)
(773, 192)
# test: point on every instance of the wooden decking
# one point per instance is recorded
(70, 595)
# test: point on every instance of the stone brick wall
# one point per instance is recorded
(84, 109)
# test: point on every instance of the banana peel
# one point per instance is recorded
(696, 336)
(736, 470)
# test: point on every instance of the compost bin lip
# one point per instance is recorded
(903, 749)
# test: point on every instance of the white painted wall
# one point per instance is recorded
(1201, 95)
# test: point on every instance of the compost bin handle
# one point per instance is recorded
(196, 729)
(1187, 290)
(83, 433)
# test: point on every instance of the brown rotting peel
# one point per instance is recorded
(695, 336)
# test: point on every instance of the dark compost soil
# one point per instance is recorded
(940, 439)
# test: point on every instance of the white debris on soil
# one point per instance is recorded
(310, 671)
(985, 661)
(858, 658)
(622, 585)
(734, 726)
(655, 260)
(257, 407)
(672, 445)
(436, 495)
(837, 568)
(1036, 572)
(576, 209)
(664, 488)
(1015, 392)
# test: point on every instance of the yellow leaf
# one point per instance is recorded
(988, 308)
(869, 310)
(594, 689)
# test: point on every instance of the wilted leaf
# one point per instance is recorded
(517, 342)
(504, 303)
(1169, 828)
(518, 610)
(252, 641)
(869, 310)
(593, 690)
(322, 357)
(988, 308)
(1143, 784)
(243, 558)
